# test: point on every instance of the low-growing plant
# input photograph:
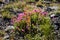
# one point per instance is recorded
(34, 24)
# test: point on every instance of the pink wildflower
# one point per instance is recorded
(20, 16)
(44, 13)
(23, 30)
(30, 13)
(27, 27)
(37, 10)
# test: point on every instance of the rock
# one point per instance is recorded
(54, 7)
(6, 36)
(49, 9)
(40, 6)
(9, 27)
(36, 0)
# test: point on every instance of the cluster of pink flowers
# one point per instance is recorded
(17, 19)
(44, 13)
(37, 10)
(21, 15)
(26, 17)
